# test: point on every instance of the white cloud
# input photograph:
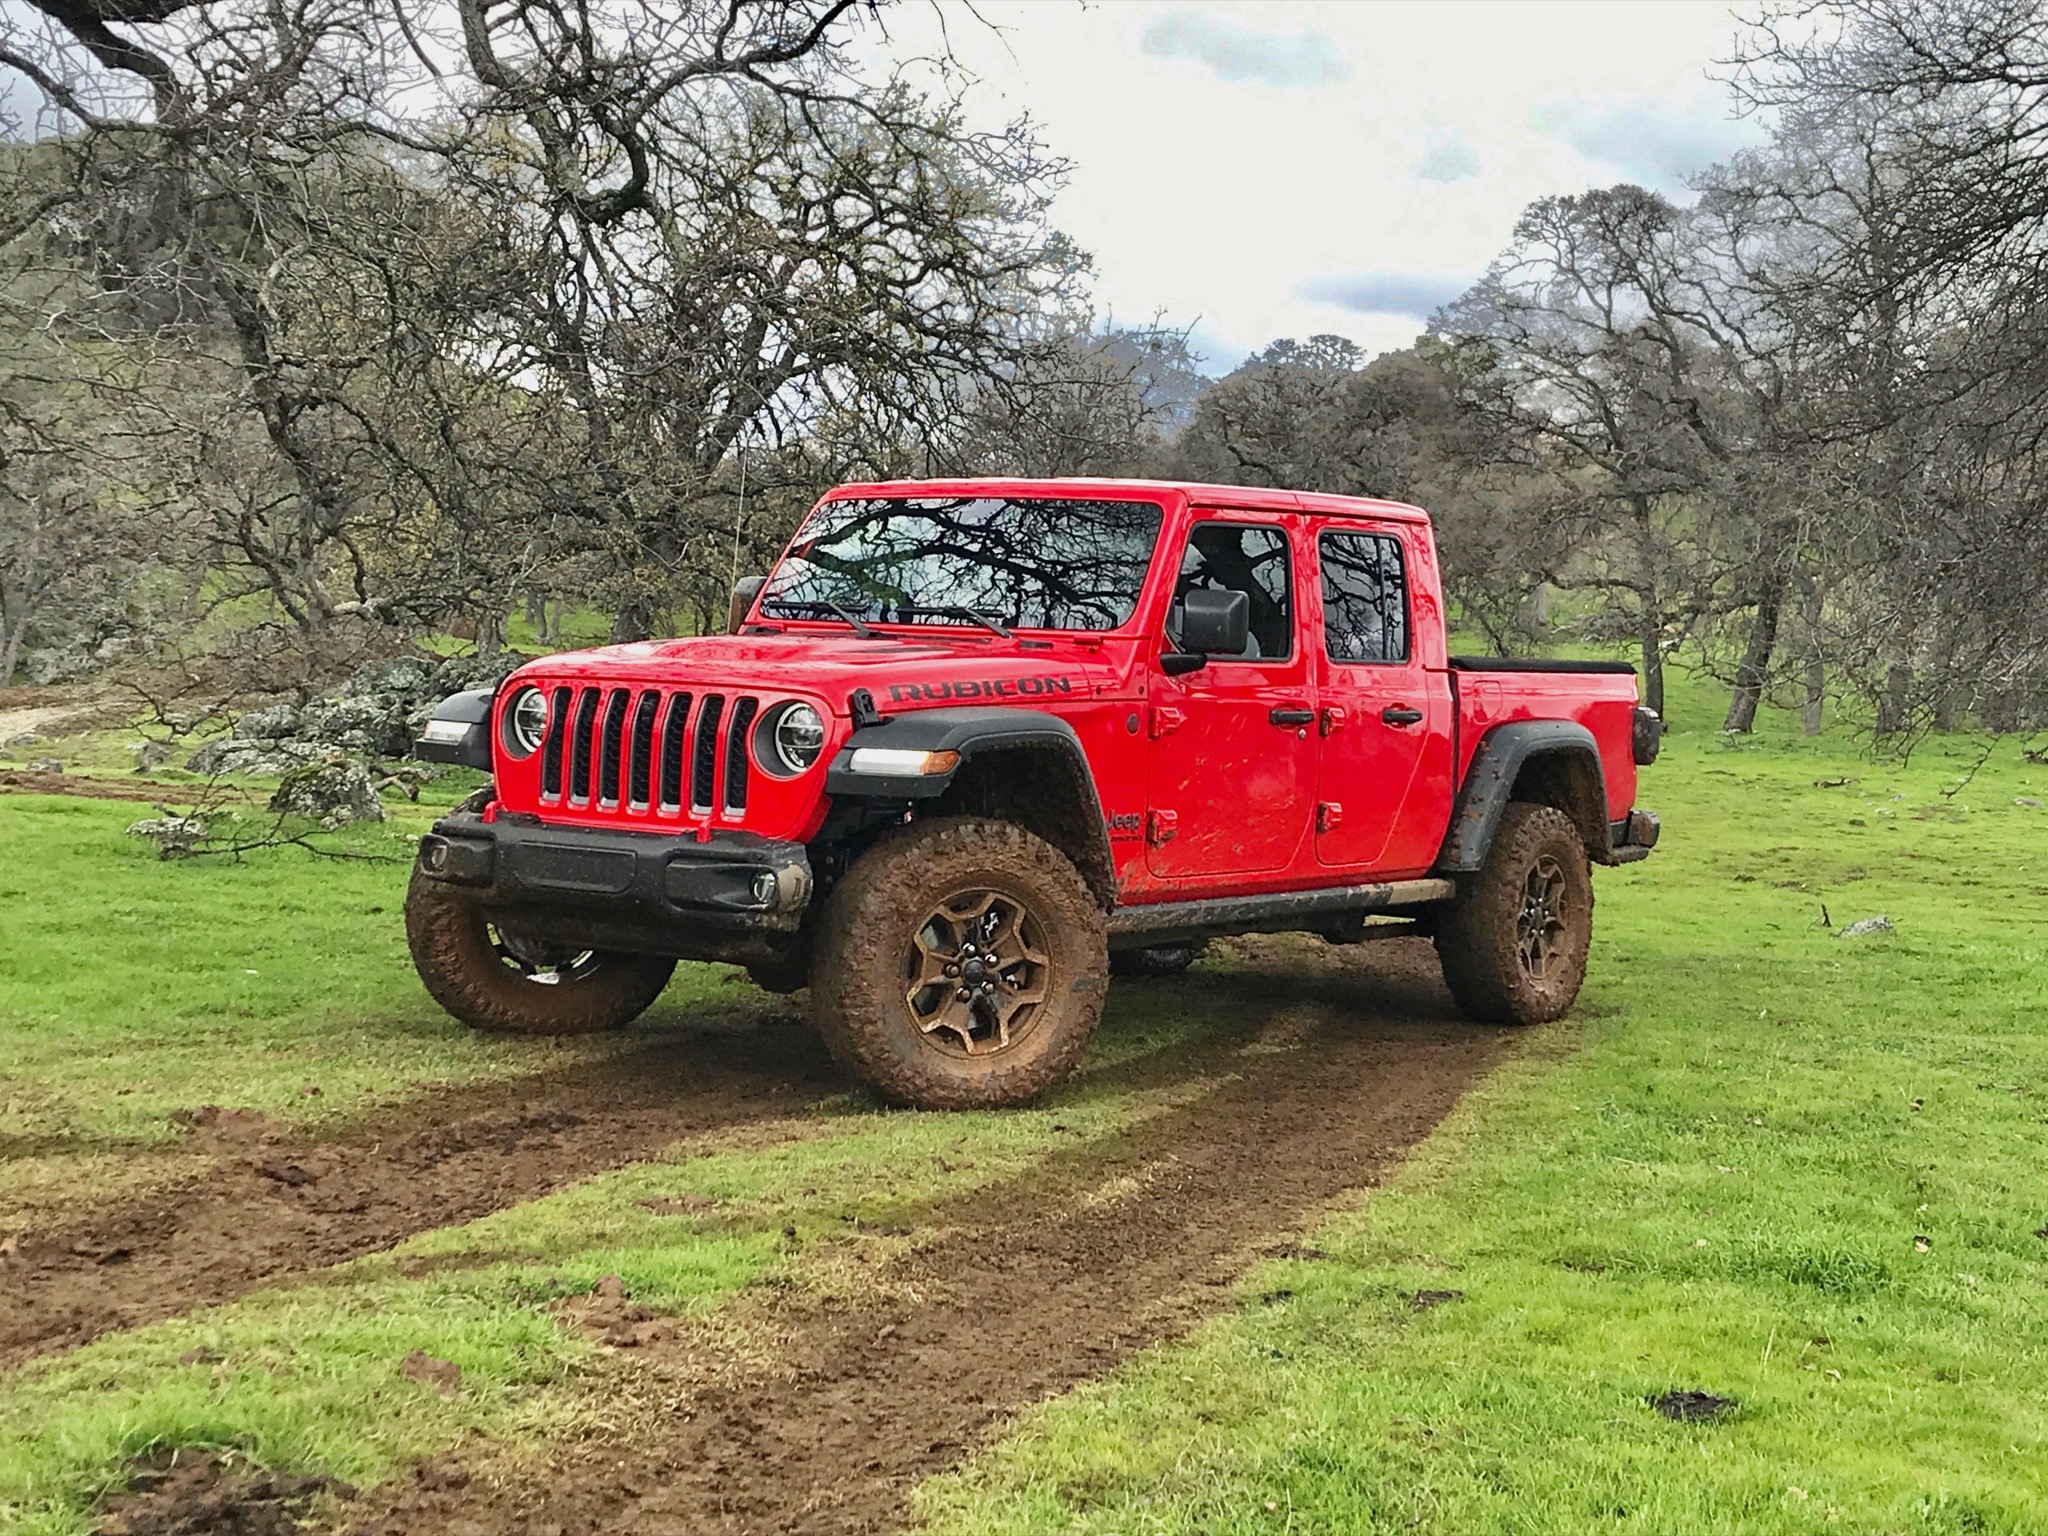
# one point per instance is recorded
(1415, 295)
(1447, 157)
(1651, 139)
(1244, 54)
(1263, 212)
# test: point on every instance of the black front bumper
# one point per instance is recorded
(648, 893)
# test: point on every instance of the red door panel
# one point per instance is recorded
(1385, 718)
(1232, 773)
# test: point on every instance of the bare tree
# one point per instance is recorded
(449, 303)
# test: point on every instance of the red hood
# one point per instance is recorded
(906, 672)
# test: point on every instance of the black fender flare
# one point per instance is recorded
(1503, 752)
(975, 732)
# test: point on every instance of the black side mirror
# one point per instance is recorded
(744, 591)
(1211, 624)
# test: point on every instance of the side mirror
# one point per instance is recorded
(1211, 624)
(744, 591)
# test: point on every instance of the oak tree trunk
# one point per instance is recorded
(1756, 659)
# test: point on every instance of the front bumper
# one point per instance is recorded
(1632, 837)
(651, 893)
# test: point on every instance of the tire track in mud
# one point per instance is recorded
(1036, 1285)
(275, 1204)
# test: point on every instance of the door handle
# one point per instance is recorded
(1283, 716)
(1400, 714)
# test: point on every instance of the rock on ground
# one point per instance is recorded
(173, 835)
(150, 754)
(333, 792)
(1867, 927)
(377, 713)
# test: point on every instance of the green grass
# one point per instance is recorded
(1713, 1177)
(133, 989)
(308, 1378)
(1790, 1169)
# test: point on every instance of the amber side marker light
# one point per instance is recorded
(902, 762)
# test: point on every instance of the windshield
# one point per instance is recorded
(1033, 562)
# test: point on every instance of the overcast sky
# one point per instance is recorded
(1286, 167)
(1280, 169)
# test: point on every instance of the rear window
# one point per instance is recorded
(1031, 562)
(1365, 598)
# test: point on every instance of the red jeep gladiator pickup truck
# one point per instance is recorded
(974, 746)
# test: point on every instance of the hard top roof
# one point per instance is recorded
(1250, 498)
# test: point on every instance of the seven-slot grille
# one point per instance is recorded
(647, 750)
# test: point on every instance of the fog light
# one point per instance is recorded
(764, 888)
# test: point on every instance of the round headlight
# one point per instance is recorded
(798, 738)
(526, 722)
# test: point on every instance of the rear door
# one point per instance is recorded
(1384, 719)
(1232, 772)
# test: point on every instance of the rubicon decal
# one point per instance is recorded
(991, 688)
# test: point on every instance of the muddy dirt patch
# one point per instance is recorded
(271, 1205)
(200, 1494)
(87, 787)
(1037, 1285)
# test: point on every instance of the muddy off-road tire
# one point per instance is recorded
(1154, 960)
(498, 981)
(1022, 936)
(1513, 941)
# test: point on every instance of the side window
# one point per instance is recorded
(1240, 557)
(1365, 597)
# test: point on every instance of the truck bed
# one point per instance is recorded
(1600, 695)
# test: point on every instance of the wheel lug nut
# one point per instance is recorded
(965, 994)
(952, 970)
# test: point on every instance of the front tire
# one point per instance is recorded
(503, 982)
(961, 964)
(1513, 941)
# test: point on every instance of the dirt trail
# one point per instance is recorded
(19, 781)
(275, 1204)
(1043, 1283)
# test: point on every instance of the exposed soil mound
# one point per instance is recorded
(196, 1493)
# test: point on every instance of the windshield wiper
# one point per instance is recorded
(974, 615)
(860, 625)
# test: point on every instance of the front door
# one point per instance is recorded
(1233, 750)
(1382, 716)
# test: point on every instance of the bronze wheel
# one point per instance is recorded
(538, 962)
(977, 972)
(960, 965)
(1513, 941)
(1541, 941)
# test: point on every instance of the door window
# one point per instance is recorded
(1247, 558)
(1365, 598)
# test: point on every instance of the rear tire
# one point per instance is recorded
(960, 905)
(1513, 941)
(505, 983)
